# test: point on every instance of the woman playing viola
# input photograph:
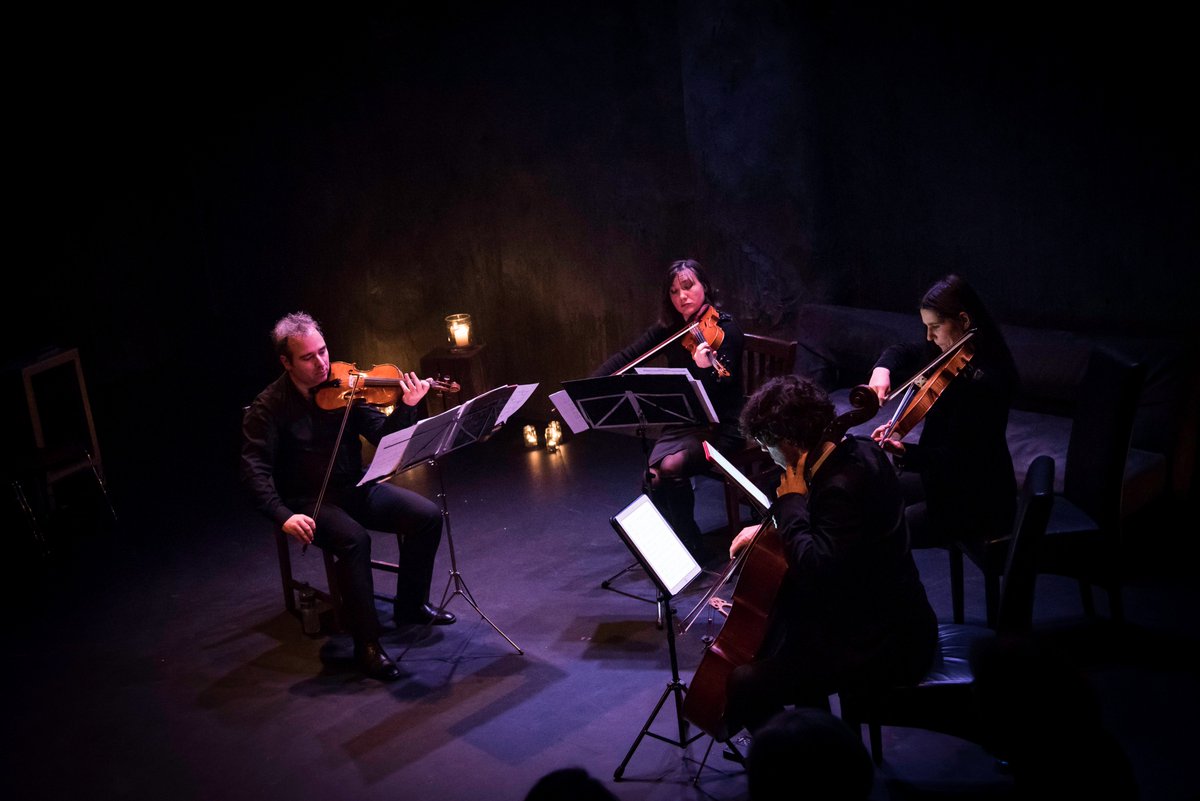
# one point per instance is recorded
(962, 454)
(678, 454)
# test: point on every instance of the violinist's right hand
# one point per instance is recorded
(744, 538)
(300, 528)
(891, 444)
(881, 383)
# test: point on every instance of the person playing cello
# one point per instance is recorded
(851, 610)
(678, 454)
(287, 452)
(969, 488)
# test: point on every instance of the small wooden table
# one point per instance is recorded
(467, 366)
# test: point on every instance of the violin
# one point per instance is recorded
(763, 566)
(703, 328)
(379, 386)
(923, 389)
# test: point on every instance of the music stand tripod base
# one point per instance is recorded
(676, 688)
(455, 580)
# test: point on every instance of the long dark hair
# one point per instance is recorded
(667, 314)
(950, 296)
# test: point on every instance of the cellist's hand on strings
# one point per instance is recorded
(744, 538)
(412, 389)
(300, 528)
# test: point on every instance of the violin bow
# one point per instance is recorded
(352, 380)
(910, 386)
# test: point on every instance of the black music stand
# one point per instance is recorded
(427, 442)
(672, 567)
(640, 404)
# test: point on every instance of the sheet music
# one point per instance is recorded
(667, 559)
(473, 421)
(747, 486)
(521, 394)
(570, 415)
(422, 440)
(695, 382)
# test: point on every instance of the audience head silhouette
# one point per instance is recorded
(569, 784)
(806, 753)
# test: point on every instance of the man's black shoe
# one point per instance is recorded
(423, 615)
(374, 661)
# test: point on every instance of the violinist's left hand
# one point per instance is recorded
(412, 389)
(702, 355)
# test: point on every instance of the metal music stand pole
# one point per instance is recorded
(455, 580)
(674, 687)
(607, 583)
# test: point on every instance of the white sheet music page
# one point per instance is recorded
(726, 467)
(695, 382)
(570, 415)
(521, 394)
(392, 449)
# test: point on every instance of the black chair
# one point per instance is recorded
(1083, 536)
(1084, 530)
(942, 701)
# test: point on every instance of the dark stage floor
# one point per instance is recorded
(156, 661)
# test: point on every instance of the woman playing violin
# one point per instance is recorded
(851, 611)
(962, 455)
(287, 452)
(677, 455)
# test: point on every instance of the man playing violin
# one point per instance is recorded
(287, 452)
(678, 453)
(851, 611)
(968, 486)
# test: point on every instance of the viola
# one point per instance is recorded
(703, 328)
(379, 386)
(922, 391)
(763, 567)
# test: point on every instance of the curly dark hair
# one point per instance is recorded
(787, 408)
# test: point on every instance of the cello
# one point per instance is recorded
(763, 567)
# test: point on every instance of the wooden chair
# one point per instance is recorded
(64, 436)
(763, 358)
(331, 596)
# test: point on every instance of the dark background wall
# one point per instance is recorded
(181, 182)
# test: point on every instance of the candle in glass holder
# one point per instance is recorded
(530, 436)
(459, 328)
(553, 434)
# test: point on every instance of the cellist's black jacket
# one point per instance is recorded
(852, 600)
